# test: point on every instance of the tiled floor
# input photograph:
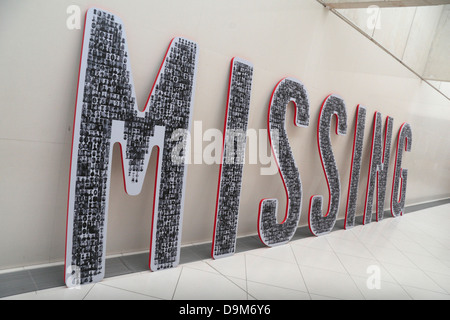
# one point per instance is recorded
(402, 258)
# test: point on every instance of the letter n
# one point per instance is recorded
(378, 168)
(106, 113)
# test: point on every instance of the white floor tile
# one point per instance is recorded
(442, 237)
(201, 285)
(439, 251)
(202, 265)
(103, 292)
(349, 247)
(385, 290)
(446, 262)
(420, 294)
(367, 235)
(233, 266)
(429, 263)
(64, 293)
(413, 277)
(343, 234)
(363, 267)
(318, 258)
(408, 245)
(331, 284)
(320, 297)
(431, 244)
(160, 284)
(390, 255)
(274, 272)
(313, 242)
(241, 283)
(442, 280)
(266, 292)
(282, 253)
(58, 293)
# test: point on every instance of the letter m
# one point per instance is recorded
(106, 113)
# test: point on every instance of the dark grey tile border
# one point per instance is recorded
(16, 283)
(49, 277)
(115, 267)
(136, 262)
(422, 206)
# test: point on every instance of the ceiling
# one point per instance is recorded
(415, 32)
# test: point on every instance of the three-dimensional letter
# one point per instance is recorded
(106, 112)
(233, 156)
(378, 168)
(404, 141)
(355, 169)
(321, 224)
(270, 231)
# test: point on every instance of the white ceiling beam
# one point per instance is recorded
(353, 4)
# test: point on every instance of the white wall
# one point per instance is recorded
(418, 36)
(406, 32)
(39, 68)
(437, 66)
